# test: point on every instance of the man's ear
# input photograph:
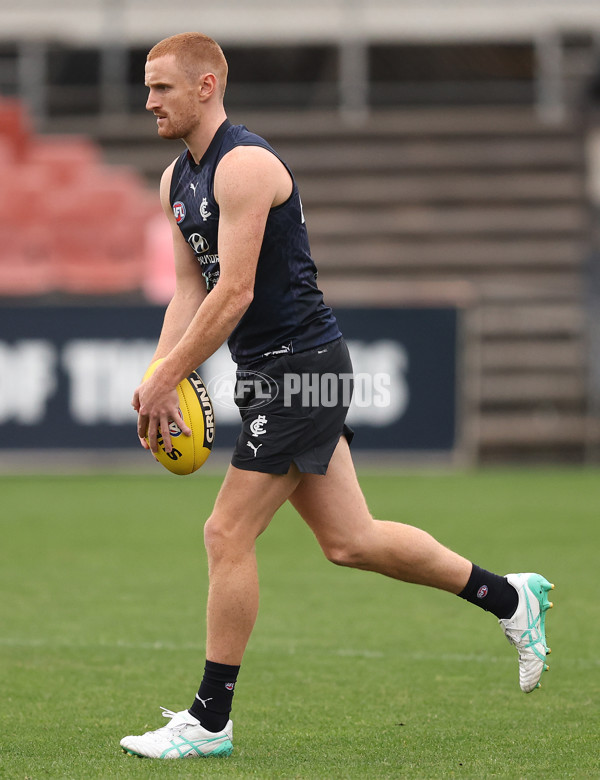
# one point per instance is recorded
(207, 85)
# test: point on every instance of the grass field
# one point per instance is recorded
(348, 675)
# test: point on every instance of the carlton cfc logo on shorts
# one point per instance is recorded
(179, 211)
(482, 592)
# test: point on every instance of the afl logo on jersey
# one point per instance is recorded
(179, 211)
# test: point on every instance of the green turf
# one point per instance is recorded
(348, 675)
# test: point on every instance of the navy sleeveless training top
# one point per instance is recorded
(287, 313)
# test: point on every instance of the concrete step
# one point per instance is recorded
(354, 190)
(399, 221)
(533, 355)
(384, 157)
(525, 430)
(448, 154)
(471, 122)
(438, 254)
(533, 389)
(532, 319)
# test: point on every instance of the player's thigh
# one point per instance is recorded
(333, 505)
(247, 502)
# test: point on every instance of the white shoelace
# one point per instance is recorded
(174, 727)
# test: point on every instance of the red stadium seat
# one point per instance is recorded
(7, 153)
(58, 149)
(159, 267)
(15, 126)
(67, 221)
(97, 239)
(26, 266)
(67, 159)
(23, 195)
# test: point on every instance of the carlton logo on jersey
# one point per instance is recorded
(179, 211)
(204, 212)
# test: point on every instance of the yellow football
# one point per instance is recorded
(189, 452)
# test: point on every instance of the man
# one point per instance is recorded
(244, 274)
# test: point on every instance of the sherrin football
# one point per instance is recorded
(189, 452)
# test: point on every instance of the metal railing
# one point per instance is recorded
(351, 26)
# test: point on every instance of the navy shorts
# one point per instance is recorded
(293, 410)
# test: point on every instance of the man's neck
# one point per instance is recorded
(198, 142)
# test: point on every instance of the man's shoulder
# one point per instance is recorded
(239, 135)
(171, 175)
(168, 171)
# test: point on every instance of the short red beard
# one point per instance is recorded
(179, 127)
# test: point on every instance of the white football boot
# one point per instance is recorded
(183, 737)
(526, 629)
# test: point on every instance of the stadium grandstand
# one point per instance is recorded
(463, 131)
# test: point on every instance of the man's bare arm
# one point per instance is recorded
(248, 182)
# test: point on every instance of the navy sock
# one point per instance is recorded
(212, 704)
(491, 592)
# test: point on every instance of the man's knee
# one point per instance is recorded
(349, 553)
(217, 536)
(228, 536)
